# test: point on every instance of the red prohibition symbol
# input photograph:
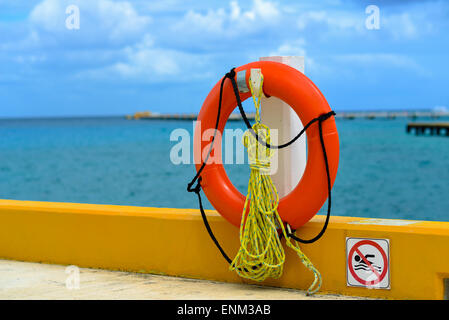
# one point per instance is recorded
(379, 276)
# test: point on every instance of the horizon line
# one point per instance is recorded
(86, 116)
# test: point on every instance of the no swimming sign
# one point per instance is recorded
(368, 263)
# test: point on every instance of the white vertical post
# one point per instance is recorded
(276, 114)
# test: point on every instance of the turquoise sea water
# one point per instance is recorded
(383, 172)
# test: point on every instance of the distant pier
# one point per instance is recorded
(147, 115)
(433, 128)
(178, 116)
(391, 115)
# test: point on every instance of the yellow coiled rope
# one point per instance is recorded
(261, 254)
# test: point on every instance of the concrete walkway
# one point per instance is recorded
(24, 280)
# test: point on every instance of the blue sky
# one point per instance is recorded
(165, 56)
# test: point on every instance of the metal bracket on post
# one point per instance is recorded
(241, 81)
(256, 79)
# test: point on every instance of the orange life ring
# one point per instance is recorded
(294, 88)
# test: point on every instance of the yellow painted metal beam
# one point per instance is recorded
(175, 242)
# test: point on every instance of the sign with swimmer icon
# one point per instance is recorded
(368, 263)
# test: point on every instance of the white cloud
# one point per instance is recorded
(212, 21)
(112, 43)
(332, 21)
(48, 14)
(383, 59)
(265, 10)
(369, 58)
(235, 10)
(407, 25)
(121, 18)
(100, 19)
(143, 60)
(33, 58)
(147, 63)
(30, 41)
(230, 21)
(261, 11)
(115, 38)
(291, 48)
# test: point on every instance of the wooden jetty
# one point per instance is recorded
(433, 128)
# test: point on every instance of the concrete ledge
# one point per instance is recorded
(175, 242)
(30, 281)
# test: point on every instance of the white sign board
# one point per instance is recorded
(368, 263)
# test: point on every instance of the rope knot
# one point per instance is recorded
(230, 74)
(197, 188)
(263, 167)
(259, 155)
(326, 116)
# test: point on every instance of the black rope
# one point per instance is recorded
(197, 178)
(197, 190)
(329, 200)
(231, 75)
